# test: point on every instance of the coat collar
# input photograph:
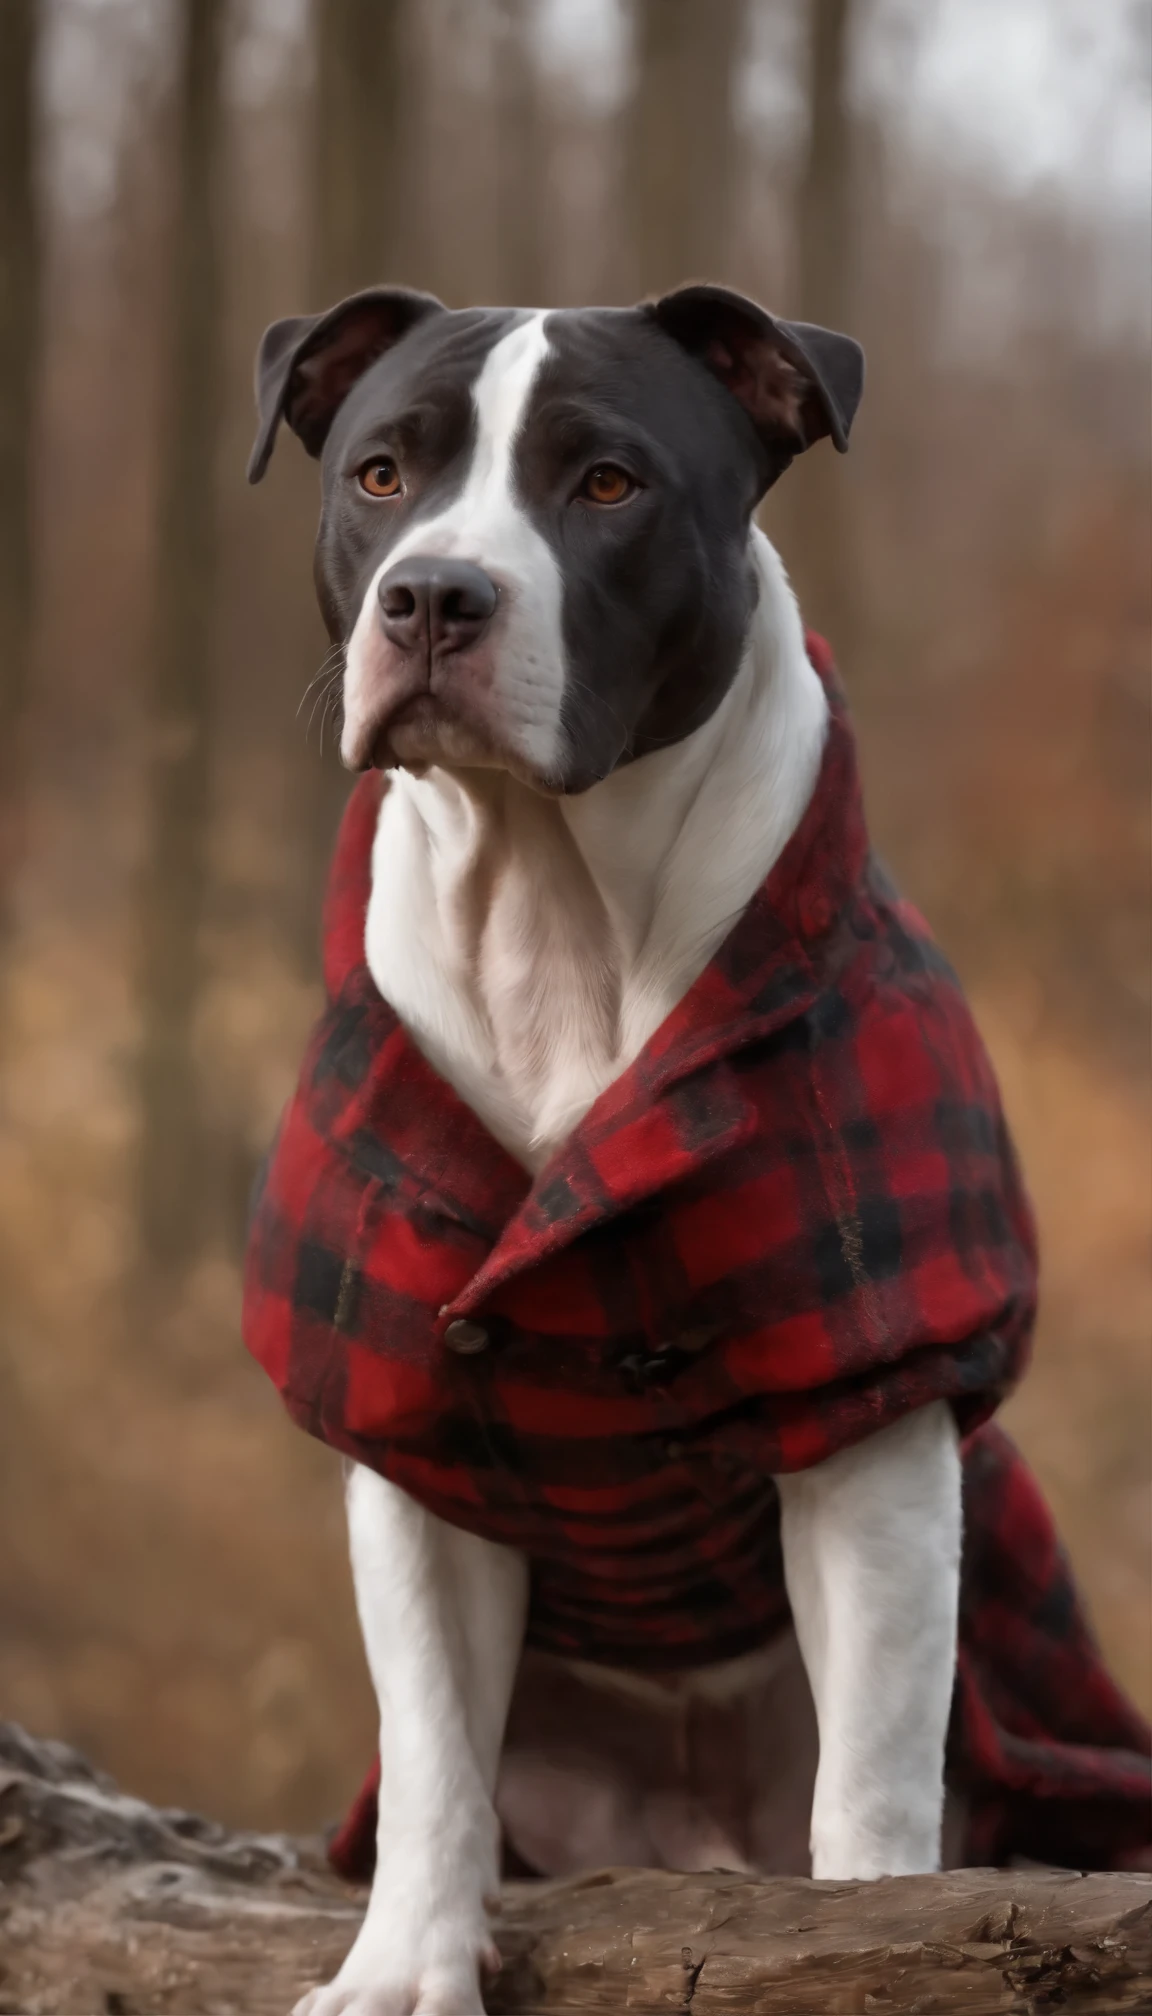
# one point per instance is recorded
(679, 1104)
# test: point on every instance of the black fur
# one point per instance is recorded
(701, 397)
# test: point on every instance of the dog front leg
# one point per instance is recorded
(442, 1614)
(872, 1561)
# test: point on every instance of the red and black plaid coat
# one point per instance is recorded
(797, 1215)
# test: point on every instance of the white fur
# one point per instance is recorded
(532, 947)
(614, 900)
(443, 1619)
(872, 1564)
(487, 524)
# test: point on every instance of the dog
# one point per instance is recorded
(591, 731)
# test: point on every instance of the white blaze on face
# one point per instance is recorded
(488, 525)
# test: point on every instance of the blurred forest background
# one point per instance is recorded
(964, 185)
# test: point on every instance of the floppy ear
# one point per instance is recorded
(796, 381)
(307, 365)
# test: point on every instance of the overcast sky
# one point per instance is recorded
(1032, 93)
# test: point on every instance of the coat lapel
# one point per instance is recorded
(678, 1107)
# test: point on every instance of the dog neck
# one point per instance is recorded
(531, 945)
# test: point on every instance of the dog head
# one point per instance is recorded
(534, 536)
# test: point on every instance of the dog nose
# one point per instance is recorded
(435, 604)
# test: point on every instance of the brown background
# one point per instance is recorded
(173, 1593)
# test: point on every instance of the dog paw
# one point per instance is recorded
(428, 1997)
(385, 1977)
(424, 1998)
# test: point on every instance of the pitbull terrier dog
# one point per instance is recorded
(583, 669)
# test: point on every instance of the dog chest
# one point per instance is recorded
(795, 1216)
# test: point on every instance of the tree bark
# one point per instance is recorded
(180, 697)
(19, 346)
(107, 1904)
(359, 150)
(825, 253)
(521, 148)
(20, 321)
(679, 152)
(817, 507)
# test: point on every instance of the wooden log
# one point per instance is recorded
(976, 1940)
(108, 1905)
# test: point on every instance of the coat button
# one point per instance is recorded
(465, 1337)
(816, 915)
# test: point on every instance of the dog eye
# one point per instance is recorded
(380, 478)
(606, 484)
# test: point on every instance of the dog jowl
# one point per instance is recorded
(534, 534)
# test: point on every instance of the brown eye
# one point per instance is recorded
(380, 478)
(606, 484)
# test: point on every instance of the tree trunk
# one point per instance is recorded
(19, 344)
(679, 152)
(521, 161)
(108, 1904)
(179, 699)
(817, 502)
(359, 135)
(359, 117)
(825, 261)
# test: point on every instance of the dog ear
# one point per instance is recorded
(307, 365)
(796, 381)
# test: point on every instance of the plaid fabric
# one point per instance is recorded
(796, 1215)
(1052, 1758)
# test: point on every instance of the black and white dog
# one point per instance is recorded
(586, 668)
